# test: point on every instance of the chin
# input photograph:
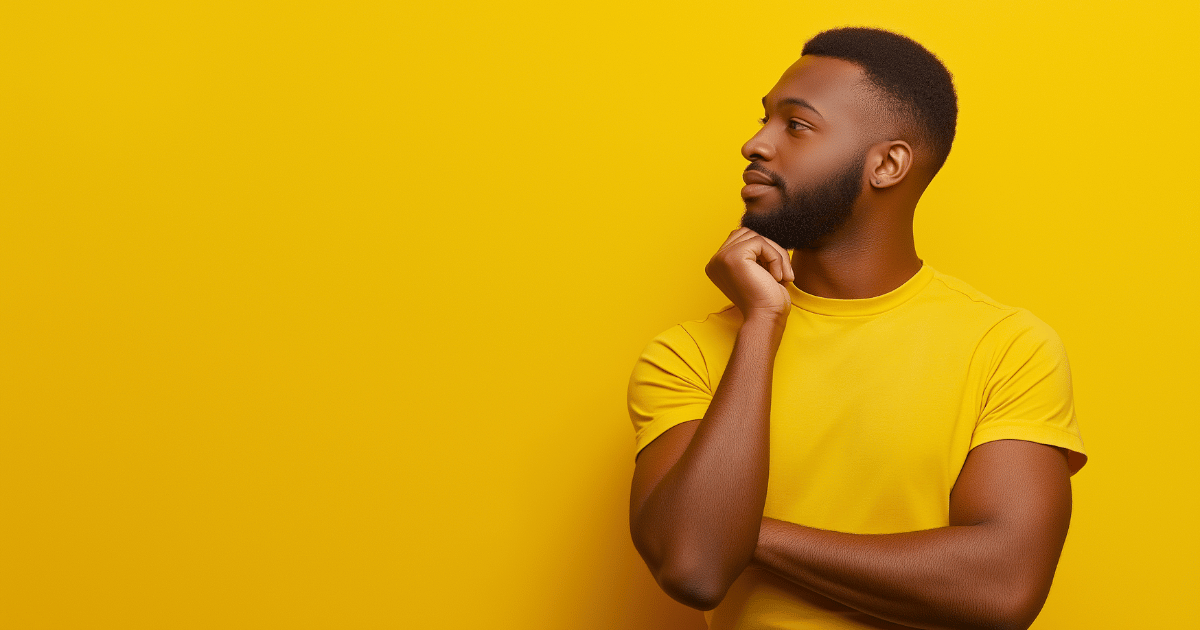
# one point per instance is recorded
(756, 205)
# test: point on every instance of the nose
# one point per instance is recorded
(758, 147)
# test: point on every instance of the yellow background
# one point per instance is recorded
(320, 314)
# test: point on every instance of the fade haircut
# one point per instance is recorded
(916, 86)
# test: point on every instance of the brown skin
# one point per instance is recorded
(696, 504)
(874, 252)
(699, 489)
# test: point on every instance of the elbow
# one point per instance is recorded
(1019, 610)
(1022, 615)
(693, 574)
(1008, 621)
(692, 585)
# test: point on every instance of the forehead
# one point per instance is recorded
(834, 87)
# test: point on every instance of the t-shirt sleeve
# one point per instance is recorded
(1028, 393)
(669, 385)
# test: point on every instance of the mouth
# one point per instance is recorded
(754, 191)
(757, 177)
(758, 184)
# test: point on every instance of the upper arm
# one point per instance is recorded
(669, 385)
(1021, 492)
(1028, 392)
(653, 463)
(669, 392)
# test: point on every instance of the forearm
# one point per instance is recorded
(950, 577)
(702, 519)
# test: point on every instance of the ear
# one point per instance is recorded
(889, 163)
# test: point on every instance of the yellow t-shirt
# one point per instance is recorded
(874, 406)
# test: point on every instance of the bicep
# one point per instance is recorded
(1021, 492)
(1013, 481)
(654, 461)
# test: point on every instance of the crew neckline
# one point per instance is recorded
(864, 306)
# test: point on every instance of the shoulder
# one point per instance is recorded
(1002, 333)
(1006, 321)
(684, 350)
(704, 334)
(718, 325)
(1023, 355)
(964, 295)
(1024, 334)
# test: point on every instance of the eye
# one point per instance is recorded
(797, 125)
(762, 121)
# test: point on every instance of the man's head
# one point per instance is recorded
(862, 108)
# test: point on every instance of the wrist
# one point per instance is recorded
(766, 321)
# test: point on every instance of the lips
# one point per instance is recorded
(757, 177)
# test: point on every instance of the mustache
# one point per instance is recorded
(775, 179)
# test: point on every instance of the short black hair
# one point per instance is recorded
(916, 82)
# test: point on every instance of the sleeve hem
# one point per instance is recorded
(1034, 432)
(661, 424)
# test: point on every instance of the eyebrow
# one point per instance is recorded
(799, 102)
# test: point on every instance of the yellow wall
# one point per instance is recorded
(320, 315)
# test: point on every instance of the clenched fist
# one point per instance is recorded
(751, 269)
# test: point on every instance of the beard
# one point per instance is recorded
(804, 217)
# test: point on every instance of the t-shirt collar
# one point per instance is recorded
(864, 306)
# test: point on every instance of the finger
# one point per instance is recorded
(767, 254)
(747, 235)
(733, 235)
(788, 274)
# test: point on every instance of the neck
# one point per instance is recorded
(857, 263)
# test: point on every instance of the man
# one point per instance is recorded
(917, 435)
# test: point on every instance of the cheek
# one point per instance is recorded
(819, 162)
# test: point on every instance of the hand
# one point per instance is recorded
(751, 269)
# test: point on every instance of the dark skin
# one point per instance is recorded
(696, 505)
(874, 252)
